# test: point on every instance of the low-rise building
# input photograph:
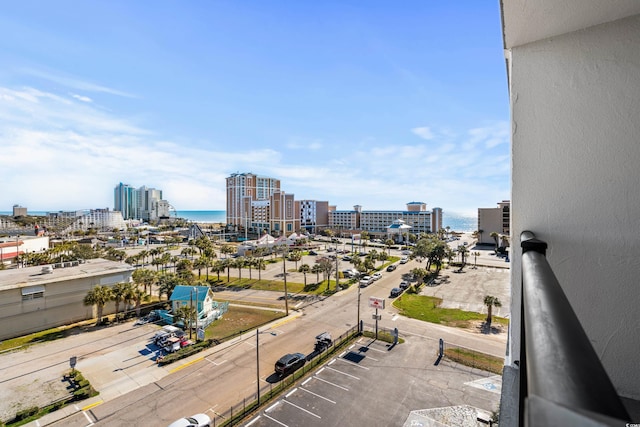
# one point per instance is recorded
(33, 299)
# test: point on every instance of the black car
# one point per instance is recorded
(289, 363)
(404, 285)
(395, 292)
(391, 267)
(313, 253)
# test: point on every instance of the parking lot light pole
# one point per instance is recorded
(258, 364)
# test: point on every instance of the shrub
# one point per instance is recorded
(26, 413)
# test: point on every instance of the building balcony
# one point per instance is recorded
(558, 379)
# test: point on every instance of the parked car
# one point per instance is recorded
(289, 363)
(391, 267)
(197, 420)
(313, 253)
(365, 281)
(404, 260)
(376, 276)
(395, 292)
(346, 258)
(404, 285)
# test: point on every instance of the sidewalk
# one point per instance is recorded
(148, 375)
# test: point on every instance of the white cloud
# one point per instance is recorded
(62, 153)
(423, 132)
(75, 83)
(81, 98)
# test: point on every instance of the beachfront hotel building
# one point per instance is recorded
(258, 205)
(313, 214)
(377, 222)
(140, 203)
(492, 220)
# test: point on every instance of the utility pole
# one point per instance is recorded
(284, 268)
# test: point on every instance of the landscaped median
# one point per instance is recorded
(427, 308)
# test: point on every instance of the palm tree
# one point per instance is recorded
(185, 314)
(304, 269)
(382, 256)
(228, 249)
(495, 238)
(260, 265)
(117, 294)
(250, 262)
(167, 283)
(490, 302)
(420, 274)
(317, 269)
(239, 264)
(463, 251)
(475, 259)
(389, 243)
(199, 264)
(218, 267)
(139, 295)
(184, 270)
(98, 296)
(295, 256)
(129, 295)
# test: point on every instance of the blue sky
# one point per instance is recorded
(376, 103)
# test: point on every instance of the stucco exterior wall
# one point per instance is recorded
(61, 303)
(576, 180)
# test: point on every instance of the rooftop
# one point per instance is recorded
(28, 276)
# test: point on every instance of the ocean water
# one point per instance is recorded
(204, 216)
(454, 221)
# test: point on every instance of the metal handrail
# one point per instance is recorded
(560, 363)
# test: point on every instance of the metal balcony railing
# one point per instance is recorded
(559, 379)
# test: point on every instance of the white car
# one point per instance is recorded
(197, 420)
(404, 260)
(376, 276)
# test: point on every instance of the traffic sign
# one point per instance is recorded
(377, 303)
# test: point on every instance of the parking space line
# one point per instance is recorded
(302, 409)
(344, 373)
(306, 381)
(354, 364)
(291, 392)
(270, 408)
(371, 358)
(317, 395)
(274, 420)
(253, 421)
(330, 383)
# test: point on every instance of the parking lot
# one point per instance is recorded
(373, 383)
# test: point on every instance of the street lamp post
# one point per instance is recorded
(197, 311)
(17, 251)
(358, 323)
(258, 364)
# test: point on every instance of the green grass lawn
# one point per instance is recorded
(238, 320)
(428, 309)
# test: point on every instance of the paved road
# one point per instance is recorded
(117, 360)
